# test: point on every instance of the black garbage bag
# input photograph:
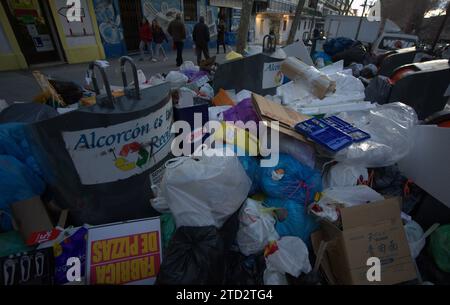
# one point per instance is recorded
(242, 270)
(357, 53)
(197, 255)
(379, 90)
(70, 92)
(389, 182)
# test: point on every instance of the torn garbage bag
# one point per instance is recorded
(290, 179)
(296, 221)
(204, 191)
(256, 228)
(391, 127)
(290, 256)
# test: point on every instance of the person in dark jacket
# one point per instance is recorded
(200, 35)
(177, 30)
(221, 36)
(145, 34)
(159, 37)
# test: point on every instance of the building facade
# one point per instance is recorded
(279, 15)
(34, 32)
(37, 32)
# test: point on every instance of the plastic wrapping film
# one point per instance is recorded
(392, 136)
(319, 83)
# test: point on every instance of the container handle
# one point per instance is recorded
(123, 60)
(92, 66)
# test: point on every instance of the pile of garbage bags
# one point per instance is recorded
(227, 219)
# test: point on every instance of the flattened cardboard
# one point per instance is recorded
(370, 230)
(31, 217)
(271, 111)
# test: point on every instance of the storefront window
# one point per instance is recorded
(190, 10)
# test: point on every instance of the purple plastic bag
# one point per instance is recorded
(73, 246)
(243, 111)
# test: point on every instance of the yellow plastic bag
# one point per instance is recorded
(231, 134)
(233, 55)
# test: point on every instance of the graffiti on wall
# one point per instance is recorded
(165, 11)
(110, 27)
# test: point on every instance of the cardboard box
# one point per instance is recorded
(33, 221)
(370, 230)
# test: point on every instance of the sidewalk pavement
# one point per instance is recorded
(20, 85)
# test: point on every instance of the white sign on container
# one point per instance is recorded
(117, 152)
(272, 76)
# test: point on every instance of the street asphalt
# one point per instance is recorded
(20, 85)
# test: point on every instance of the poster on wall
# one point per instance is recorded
(272, 75)
(110, 27)
(43, 43)
(117, 152)
(78, 33)
(127, 253)
(164, 11)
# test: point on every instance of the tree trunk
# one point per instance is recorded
(244, 24)
(296, 21)
(347, 7)
(441, 27)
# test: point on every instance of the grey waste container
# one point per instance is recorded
(100, 161)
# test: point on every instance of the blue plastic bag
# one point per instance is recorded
(17, 183)
(291, 180)
(297, 223)
(337, 45)
(251, 167)
(13, 142)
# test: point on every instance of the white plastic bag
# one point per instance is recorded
(156, 79)
(176, 79)
(346, 196)
(204, 191)
(291, 257)
(272, 278)
(256, 228)
(392, 137)
(414, 235)
(189, 66)
(343, 174)
(159, 203)
(207, 90)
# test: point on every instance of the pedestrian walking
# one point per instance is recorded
(159, 37)
(177, 31)
(145, 34)
(201, 38)
(221, 36)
